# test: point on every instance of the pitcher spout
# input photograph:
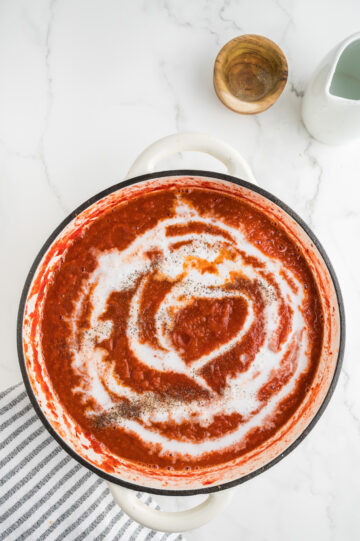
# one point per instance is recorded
(331, 105)
(344, 81)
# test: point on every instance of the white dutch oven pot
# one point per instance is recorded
(217, 482)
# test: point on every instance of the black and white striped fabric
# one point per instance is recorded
(45, 494)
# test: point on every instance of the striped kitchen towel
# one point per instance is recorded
(46, 494)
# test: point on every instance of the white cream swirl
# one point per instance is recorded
(179, 260)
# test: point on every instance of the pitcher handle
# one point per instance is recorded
(170, 521)
(236, 165)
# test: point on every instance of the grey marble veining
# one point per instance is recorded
(85, 86)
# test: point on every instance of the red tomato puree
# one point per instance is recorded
(182, 329)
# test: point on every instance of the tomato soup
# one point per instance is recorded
(182, 328)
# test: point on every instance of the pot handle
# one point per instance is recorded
(236, 165)
(170, 521)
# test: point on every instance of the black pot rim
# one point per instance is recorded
(94, 199)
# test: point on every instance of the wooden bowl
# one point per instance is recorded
(250, 72)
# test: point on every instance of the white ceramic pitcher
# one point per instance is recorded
(331, 105)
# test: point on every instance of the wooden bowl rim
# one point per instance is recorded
(222, 90)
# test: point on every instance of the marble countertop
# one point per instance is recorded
(85, 86)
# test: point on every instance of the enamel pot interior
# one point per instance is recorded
(99, 459)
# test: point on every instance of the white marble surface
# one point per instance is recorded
(85, 85)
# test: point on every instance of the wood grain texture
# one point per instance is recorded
(250, 73)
